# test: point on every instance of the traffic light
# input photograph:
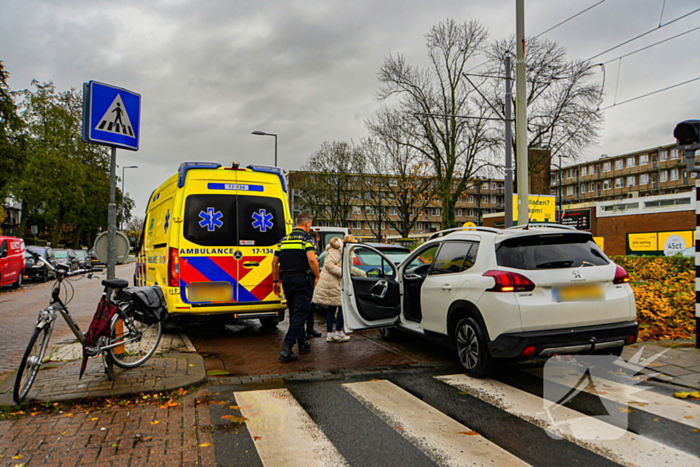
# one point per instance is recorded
(687, 132)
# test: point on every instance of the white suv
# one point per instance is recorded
(492, 293)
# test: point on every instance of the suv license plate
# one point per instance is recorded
(578, 293)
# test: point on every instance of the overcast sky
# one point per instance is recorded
(211, 72)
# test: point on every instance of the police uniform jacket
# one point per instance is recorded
(291, 252)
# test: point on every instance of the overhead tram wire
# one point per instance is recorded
(652, 45)
(651, 93)
(570, 18)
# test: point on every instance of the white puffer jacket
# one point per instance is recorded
(327, 291)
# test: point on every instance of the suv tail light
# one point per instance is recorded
(507, 281)
(174, 268)
(621, 276)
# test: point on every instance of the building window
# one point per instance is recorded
(569, 190)
(606, 185)
(664, 176)
(356, 210)
(493, 186)
(644, 179)
(674, 174)
(471, 213)
(630, 162)
(369, 211)
(493, 200)
(618, 183)
(458, 212)
(392, 182)
(357, 225)
(664, 155)
(583, 188)
(591, 187)
(618, 164)
(435, 212)
(584, 171)
(383, 226)
(484, 186)
(554, 181)
(569, 173)
(674, 153)
(631, 181)
(392, 211)
(644, 159)
(607, 167)
(471, 199)
(484, 200)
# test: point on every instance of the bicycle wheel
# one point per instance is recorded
(31, 363)
(140, 340)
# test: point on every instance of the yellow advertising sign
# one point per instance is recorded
(673, 242)
(643, 241)
(542, 208)
(600, 241)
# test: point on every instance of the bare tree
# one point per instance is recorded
(399, 174)
(329, 187)
(562, 98)
(449, 120)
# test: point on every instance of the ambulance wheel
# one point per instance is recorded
(268, 323)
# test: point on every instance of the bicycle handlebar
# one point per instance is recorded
(66, 269)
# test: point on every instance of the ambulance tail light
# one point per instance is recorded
(174, 268)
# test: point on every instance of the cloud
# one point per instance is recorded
(212, 72)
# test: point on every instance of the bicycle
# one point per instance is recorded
(130, 343)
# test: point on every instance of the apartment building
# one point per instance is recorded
(657, 171)
(483, 197)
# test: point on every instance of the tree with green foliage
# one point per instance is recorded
(12, 140)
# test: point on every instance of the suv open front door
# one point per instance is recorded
(370, 291)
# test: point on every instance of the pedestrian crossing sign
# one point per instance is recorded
(111, 115)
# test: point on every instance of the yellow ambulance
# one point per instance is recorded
(209, 238)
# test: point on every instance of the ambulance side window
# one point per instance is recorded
(261, 220)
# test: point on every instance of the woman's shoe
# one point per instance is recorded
(340, 336)
(330, 337)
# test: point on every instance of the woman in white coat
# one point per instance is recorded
(327, 291)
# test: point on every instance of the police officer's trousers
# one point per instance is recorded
(298, 293)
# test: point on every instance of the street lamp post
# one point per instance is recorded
(559, 200)
(262, 133)
(121, 224)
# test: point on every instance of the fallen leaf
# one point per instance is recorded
(156, 422)
(463, 392)
(624, 410)
(687, 395)
(18, 456)
(234, 419)
(148, 438)
(34, 413)
(234, 407)
(399, 428)
(169, 404)
(375, 380)
(640, 404)
(191, 364)
(205, 445)
(182, 391)
(218, 402)
(69, 415)
(94, 419)
(115, 445)
(469, 433)
(688, 416)
(217, 372)
(656, 419)
(256, 438)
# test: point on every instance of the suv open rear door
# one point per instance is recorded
(370, 291)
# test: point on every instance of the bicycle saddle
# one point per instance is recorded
(115, 283)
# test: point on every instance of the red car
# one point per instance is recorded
(11, 261)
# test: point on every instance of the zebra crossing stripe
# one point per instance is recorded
(441, 438)
(602, 438)
(646, 401)
(283, 432)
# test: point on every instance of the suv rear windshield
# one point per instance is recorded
(550, 252)
(226, 220)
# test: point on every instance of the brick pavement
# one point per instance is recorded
(19, 310)
(133, 434)
(248, 349)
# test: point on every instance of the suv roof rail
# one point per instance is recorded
(464, 229)
(541, 225)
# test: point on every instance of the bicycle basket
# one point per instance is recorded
(149, 303)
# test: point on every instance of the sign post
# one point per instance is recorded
(112, 117)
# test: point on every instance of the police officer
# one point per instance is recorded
(294, 257)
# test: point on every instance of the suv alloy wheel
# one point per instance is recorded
(471, 348)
